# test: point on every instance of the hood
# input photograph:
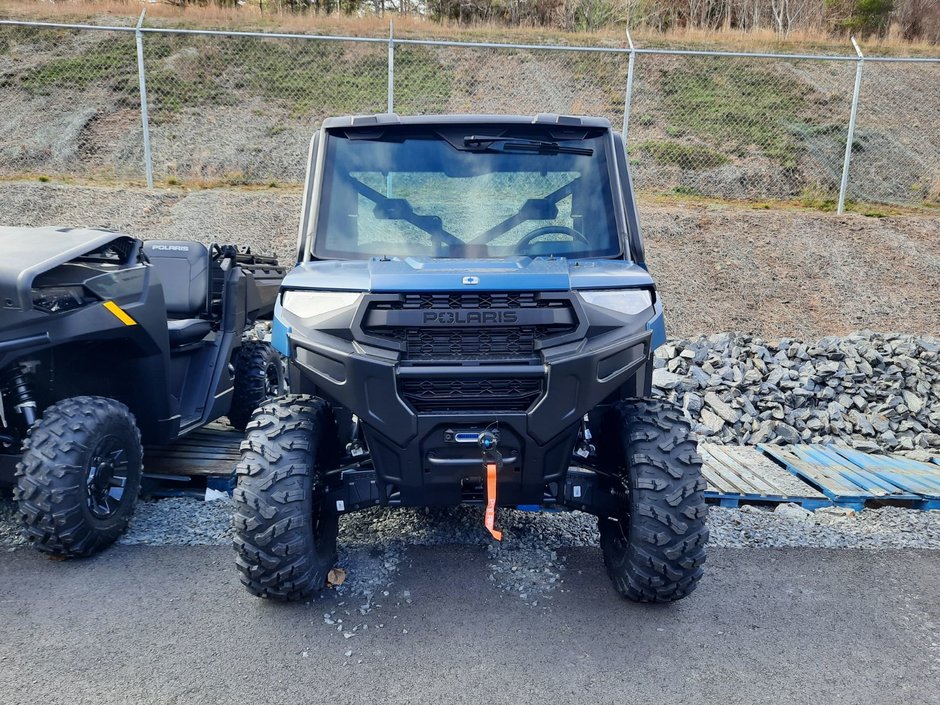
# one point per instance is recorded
(429, 274)
(28, 252)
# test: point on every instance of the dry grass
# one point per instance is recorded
(809, 41)
(125, 12)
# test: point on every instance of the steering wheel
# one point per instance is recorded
(547, 229)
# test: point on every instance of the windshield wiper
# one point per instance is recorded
(502, 144)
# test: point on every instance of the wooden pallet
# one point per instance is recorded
(851, 478)
(203, 458)
(742, 475)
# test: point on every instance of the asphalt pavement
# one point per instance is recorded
(173, 625)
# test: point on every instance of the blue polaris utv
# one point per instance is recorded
(470, 321)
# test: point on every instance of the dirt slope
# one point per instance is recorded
(793, 272)
(777, 273)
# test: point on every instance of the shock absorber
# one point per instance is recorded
(20, 394)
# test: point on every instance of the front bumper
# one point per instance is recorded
(416, 460)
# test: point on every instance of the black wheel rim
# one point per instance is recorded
(106, 477)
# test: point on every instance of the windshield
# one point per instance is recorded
(483, 191)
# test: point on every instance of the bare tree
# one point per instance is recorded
(788, 13)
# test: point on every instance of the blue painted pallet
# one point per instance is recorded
(850, 478)
(912, 476)
(738, 475)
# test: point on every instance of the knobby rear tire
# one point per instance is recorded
(257, 367)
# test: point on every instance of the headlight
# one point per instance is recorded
(56, 299)
(311, 304)
(628, 301)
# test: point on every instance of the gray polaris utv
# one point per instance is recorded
(105, 339)
(470, 321)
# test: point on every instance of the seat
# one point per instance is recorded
(187, 330)
(183, 269)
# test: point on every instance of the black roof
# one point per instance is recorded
(393, 119)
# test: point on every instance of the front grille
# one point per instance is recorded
(471, 394)
(484, 343)
(467, 344)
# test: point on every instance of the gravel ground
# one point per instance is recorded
(527, 564)
(793, 273)
(9, 531)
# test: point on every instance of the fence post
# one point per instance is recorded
(851, 136)
(628, 98)
(142, 80)
(391, 66)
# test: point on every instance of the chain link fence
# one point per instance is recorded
(741, 128)
(896, 146)
(240, 107)
(71, 103)
(454, 78)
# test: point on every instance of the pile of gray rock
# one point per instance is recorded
(872, 391)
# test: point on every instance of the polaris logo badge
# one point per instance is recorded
(447, 318)
(470, 281)
(170, 248)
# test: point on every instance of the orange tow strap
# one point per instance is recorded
(490, 519)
